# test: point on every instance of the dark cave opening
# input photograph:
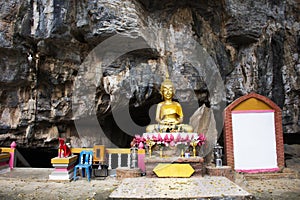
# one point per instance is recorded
(36, 157)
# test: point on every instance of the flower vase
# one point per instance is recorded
(194, 150)
(150, 144)
(194, 144)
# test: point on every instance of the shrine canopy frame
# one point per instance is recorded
(263, 150)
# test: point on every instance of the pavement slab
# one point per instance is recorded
(208, 187)
(34, 183)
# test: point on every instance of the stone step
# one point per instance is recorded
(208, 187)
(264, 176)
(125, 172)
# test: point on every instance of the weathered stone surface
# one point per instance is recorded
(45, 48)
(180, 188)
(225, 171)
(125, 172)
(292, 156)
(203, 122)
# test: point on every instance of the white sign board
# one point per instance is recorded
(254, 142)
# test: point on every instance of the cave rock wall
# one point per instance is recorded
(46, 47)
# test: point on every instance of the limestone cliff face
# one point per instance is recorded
(55, 67)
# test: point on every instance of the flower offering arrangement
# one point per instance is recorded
(166, 141)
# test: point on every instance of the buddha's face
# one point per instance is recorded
(167, 92)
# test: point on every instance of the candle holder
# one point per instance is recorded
(150, 143)
(194, 144)
(181, 148)
(182, 153)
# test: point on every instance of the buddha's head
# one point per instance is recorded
(167, 89)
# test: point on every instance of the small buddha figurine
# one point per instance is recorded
(169, 114)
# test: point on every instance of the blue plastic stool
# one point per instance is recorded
(85, 163)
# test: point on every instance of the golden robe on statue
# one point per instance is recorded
(169, 114)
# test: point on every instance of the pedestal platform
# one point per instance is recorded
(64, 168)
(220, 171)
(126, 172)
(4, 162)
(197, 163)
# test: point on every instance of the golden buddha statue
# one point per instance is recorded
(169, 114)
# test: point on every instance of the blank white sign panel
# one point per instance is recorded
(254, 141)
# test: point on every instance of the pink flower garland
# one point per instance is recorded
(169, 139)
